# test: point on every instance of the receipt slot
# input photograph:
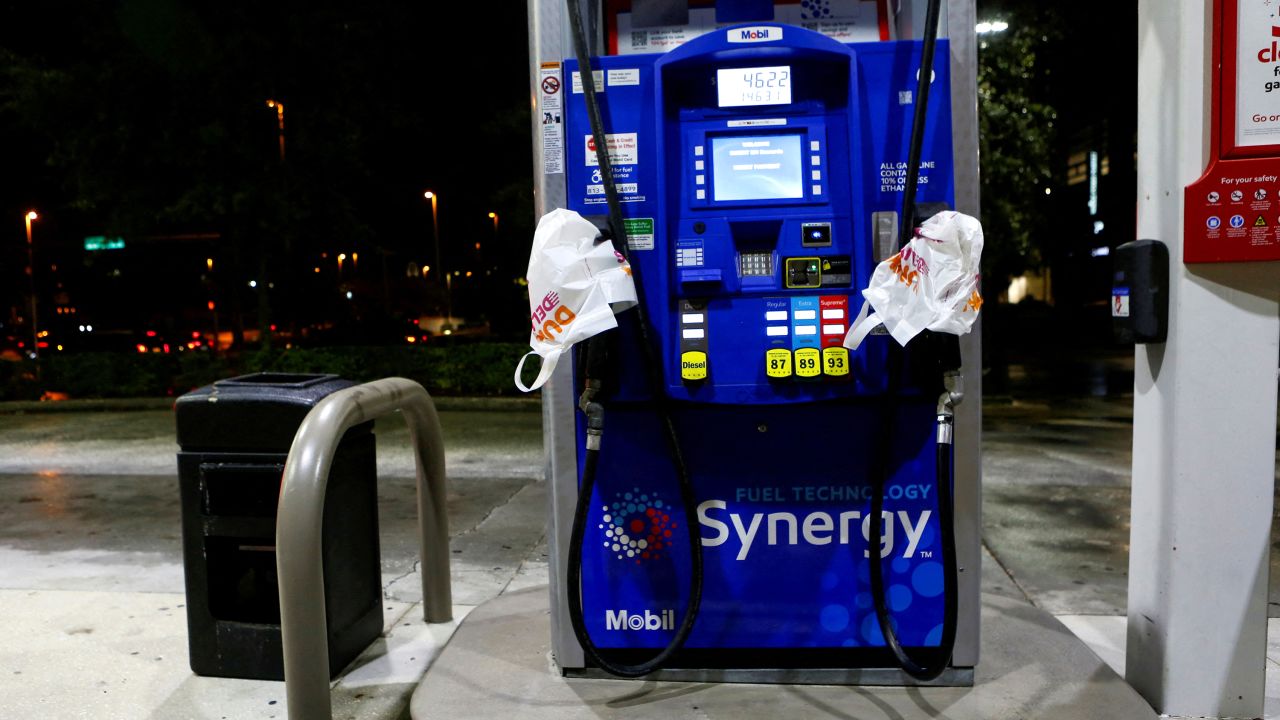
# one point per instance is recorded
(759, 168)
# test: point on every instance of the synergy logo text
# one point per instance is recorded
(815, 528)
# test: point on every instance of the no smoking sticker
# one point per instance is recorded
(549, 106)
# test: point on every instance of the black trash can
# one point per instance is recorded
(233, 438)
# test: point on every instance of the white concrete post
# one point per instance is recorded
(1204, 414)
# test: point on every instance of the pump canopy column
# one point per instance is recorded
(1204, 400)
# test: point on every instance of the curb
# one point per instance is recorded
(447, 404)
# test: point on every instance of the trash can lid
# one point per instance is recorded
(260, 412)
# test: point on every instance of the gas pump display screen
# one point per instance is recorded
(757, 167)
(742, 87)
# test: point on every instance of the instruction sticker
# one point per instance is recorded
(625, 76)
(689, 253)
(639, 233)
(577, 81)
(893, 176)
(765, 122)
(550, 92)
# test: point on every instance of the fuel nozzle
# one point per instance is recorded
(606, 231)
(595, 414)
(944, 349)
(951, 396)
(599, 373)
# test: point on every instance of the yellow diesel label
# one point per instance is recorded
(693, 365)
(808, 362)
(777, 363)
(835, 361)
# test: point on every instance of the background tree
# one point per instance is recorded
(1017, 140)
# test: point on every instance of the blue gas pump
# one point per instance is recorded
(759, 173)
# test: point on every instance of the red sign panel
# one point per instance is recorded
(1231, 213)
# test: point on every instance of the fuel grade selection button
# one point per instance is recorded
(808, 362)
(777, 363)
(693, 366)
(835, 361)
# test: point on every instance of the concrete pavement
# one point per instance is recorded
(90, 554)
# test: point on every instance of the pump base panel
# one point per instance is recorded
(499, 664)
(952, 677)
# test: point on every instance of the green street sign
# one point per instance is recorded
(99, 242)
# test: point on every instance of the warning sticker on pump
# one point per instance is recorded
(552, 128)
(623, 149)
(597, 75)
(893, 175)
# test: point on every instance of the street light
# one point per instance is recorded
(279, 108)
(435, 224)
(494, 217)
(435, 231)
(31, 277)
(993, 26)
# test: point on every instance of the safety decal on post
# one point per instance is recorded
(550, 92)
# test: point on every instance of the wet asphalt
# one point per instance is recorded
(1056, 458)
(89, 504)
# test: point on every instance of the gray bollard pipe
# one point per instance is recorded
(300, 517)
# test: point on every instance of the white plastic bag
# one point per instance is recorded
(932, 284)
(575, 287)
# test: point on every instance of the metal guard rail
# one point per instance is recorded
(300, 517)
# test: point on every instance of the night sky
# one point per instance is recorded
(147, 119)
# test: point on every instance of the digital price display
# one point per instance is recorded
(743, 87)
(757, 167)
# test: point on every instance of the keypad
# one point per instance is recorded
(756, 264)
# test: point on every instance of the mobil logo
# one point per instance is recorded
(754, 34)
(627, 620)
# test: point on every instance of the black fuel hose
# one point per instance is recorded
(946, 528)
(945, 473)
(591, 405)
